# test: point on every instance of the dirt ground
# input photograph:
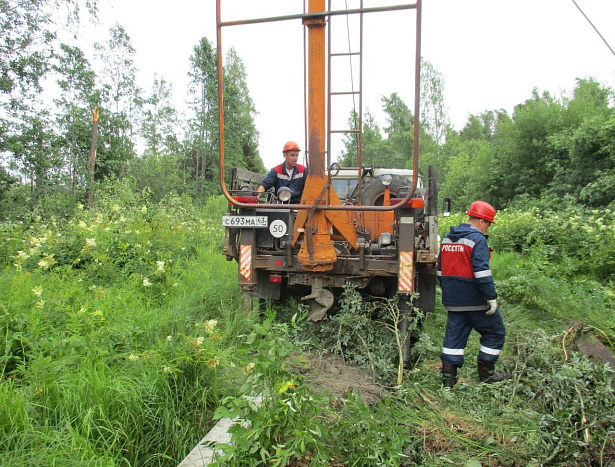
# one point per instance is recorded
(330, 375)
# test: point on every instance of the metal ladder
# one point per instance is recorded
(331, 93)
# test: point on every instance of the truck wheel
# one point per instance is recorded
(372, 194)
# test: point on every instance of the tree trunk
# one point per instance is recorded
(92, 160)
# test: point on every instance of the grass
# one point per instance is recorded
(109, 357)
(100, 367)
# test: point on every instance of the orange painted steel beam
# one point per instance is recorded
(316, 13)
(314, 228)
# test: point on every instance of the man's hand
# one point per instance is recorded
(494, 306)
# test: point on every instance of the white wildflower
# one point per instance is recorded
(160, 266)
(166, 369)
(144, 209)
(146, 283)
(38, 291)
(43, 264)
(170, 338)
(133, 357)
(115, 208)
(82, 224)
(200, 341)
(22, 255)
(210, 325)
(40, 304)
(90, 242)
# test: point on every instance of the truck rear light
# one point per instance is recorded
(414, 203)
(246, 199)
(276, 278)
(278, 262)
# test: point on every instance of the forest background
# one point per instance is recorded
(88, 376)
(553, 148)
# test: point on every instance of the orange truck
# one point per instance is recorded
(375, 228)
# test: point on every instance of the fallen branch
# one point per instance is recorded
(583, 416)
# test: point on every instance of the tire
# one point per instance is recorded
(372, 194)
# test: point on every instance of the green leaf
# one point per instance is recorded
(251, 338)
(221, 412)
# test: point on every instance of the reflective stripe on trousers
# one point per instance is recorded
(459, 325)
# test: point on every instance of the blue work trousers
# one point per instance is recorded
(458, 328)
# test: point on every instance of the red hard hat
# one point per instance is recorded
(291, 146)
(482, 210)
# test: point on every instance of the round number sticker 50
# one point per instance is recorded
(277, 228)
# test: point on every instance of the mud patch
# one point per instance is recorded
(332, 376)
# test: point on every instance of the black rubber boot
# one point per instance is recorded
(449, 375)
(487, 373)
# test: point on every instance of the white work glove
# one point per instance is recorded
(494, 306)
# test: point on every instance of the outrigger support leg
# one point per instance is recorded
(320, 300)
(250, 302)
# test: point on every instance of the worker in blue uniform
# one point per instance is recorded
(289, 174)
(470, 297)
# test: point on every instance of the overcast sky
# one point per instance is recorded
(491, 53)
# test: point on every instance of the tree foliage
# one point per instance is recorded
(240, 135)
(561, 148)
(159, 123)
(44, 146)
(558, 148)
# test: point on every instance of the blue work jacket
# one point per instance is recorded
(463, 270)
(277, 177)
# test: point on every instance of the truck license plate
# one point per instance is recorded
(255, 222)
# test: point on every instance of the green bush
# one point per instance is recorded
(573, 241)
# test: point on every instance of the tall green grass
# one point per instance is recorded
(116, 332)
(121, 334)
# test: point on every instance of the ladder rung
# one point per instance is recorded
(344, 131)
(345, 93)
(344, 54)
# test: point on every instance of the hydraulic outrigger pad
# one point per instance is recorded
(320, 301)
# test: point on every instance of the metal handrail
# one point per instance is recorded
(307, 16)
